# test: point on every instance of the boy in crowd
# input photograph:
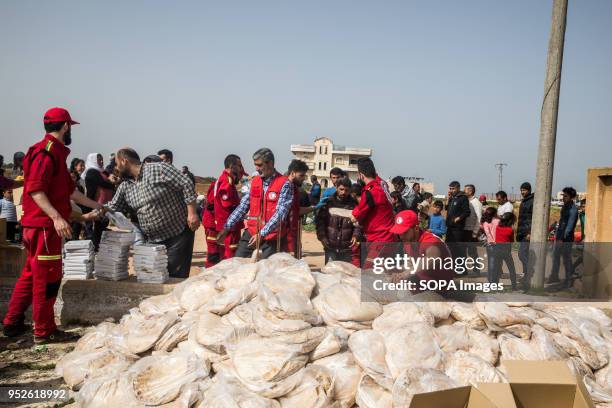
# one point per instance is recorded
(340, 238)
(9, 213)
(437, 223)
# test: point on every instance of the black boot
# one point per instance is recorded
(15, 330)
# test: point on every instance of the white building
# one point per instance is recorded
(324, 155)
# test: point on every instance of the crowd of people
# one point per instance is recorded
(355, 221)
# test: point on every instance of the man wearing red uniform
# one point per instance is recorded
(374, 211)
(267, 203)
(210, 227)
(47, 192)
(226, 200)
(296, 174)
(419, 243)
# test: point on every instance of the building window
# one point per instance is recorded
(325, 149)
(325, 166)
(320, 149)
(338, 160)
(319, 165)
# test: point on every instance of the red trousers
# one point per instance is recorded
(215, 252)
(39, 282)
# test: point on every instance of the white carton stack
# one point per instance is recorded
(112, 256)
(151, 263)
(78, 262)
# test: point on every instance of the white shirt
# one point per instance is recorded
(505, 208)
(472, 223)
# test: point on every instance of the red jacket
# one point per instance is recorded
(263, 206)
(503, 234)
(44, 169)
(426, 240)
(375, 213)
(208, 216)
(226, 200)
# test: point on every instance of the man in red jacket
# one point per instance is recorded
(210, 228)
(265, 207)
(374, 212)
(418, 243)
(297, 175)
(226, 200)
(47, 192)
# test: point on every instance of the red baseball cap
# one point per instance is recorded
(404, 220)
(482, 197)
(58, 115)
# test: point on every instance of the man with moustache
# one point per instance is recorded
(267, 204)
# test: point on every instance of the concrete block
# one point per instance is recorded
(12, 260)
(92, 301)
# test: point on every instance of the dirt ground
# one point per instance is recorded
(23, 364)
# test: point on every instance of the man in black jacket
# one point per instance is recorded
(457, 210)
(523, 230)
(340, 238)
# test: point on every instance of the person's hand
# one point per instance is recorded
(93, 215)
(221, 236)
(457, 219)
(528, 237)
(253, 240)
(193, 221)
(62, 227)
(113, 179)
(354, 242)
(353, 219)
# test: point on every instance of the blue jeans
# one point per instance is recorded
(503, 253)
(562, 249)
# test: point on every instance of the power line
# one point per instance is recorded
(500, 172)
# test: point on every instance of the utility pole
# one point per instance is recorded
(548, 136)
(500, 172)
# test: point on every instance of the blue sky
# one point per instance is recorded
(439, 89)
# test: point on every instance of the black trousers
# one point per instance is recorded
(333, 255)
(268, 248)
(180, 252)
(456, 238)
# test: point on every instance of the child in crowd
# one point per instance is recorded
(437, 223)
(423, 208)
(489, 224)
(8, 211)
(504, 237)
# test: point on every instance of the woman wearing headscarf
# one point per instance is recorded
(99, 188)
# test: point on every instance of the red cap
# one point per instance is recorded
(58, 115)
(404, 220)
(482, 197)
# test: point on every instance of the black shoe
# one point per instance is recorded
(57, 336)
(15, 330)
(552, 280)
